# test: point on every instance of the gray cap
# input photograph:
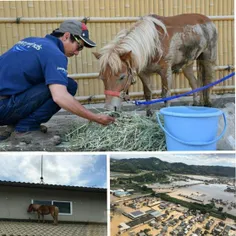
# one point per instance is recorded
(76, 28)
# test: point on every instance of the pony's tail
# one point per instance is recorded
(56, 212)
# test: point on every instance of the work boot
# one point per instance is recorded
(10, 128)
(43, 128)
(36, 137)
(6, 133)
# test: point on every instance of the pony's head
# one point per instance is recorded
(117, 73)
(129, 52)
(33, 207)
(30, 208)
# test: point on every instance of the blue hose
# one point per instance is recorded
(137, 103)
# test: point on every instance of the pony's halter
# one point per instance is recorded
(123, 94)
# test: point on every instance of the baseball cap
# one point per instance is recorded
(76, 28)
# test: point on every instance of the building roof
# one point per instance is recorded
(51, 186)
(136, 214)
(123, 226)
(142, 234)
(149, 211)
(156, 213)
(140, 220)
(120, 193)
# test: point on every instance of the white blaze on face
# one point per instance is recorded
(113, 104)
(116, 102)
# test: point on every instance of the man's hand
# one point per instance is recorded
(105, 119)
(66, 101)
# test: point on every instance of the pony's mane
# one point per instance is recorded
(142, 39)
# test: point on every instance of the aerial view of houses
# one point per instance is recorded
(157, 200)
(149, 215)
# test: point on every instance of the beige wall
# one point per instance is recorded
(103, 31)
(86, 206)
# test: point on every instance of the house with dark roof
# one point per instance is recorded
(76, 204)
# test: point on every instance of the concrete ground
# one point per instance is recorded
(8, 228)
(61, 123)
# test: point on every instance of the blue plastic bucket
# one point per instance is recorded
(191, 128)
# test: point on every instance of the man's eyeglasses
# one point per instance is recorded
(80, 46)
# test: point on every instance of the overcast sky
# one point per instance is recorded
(63, 169)
(211, 159)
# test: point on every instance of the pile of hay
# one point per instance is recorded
(130, 132)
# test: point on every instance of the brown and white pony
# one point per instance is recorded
(162, 45)
(45, 210)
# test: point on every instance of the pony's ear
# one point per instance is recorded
(97, 55)
(127, 58)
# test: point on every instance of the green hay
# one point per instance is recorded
(130, 132)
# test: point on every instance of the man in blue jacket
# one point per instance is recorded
(34, 83)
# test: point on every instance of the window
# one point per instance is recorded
(42, 202)
(65, 207)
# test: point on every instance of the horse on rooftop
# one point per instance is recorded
(45, 210)
(162, 45)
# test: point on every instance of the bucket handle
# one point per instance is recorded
(193, 143)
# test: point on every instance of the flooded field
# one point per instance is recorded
(199, 191)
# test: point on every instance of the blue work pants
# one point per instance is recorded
(27, 110)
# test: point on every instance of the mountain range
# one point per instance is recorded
(137, 165)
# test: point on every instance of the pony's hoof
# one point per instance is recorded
(195, 104)
(207, 104)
